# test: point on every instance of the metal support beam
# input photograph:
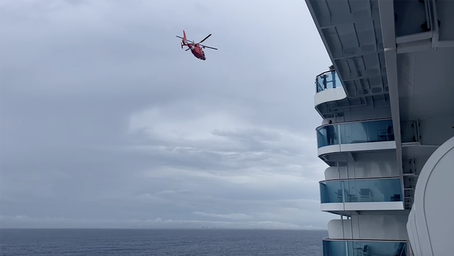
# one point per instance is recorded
(389, 44)
(415, 46)
(356, 55)
(414, 37)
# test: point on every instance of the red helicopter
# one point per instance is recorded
(196, 48)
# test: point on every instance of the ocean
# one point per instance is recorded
(197, 242)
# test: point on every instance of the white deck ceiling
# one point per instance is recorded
(352, 35)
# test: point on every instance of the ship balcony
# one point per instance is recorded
(337, 247)
(361, 194)
(328, 87)
(355, 136)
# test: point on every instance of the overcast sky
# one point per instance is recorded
(107, 122)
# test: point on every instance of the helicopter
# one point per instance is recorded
(196, 48)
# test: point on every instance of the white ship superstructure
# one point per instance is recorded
(387, 135)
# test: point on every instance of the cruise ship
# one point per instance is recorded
(387, 131)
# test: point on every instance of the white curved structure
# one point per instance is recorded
(430, 224)
(356, 147)
(329, 95)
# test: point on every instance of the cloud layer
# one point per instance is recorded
(106, 122)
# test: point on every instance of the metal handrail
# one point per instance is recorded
(324, 72)
(364, 240)
(351, 122)
(369, 178)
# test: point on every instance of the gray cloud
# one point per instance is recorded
(106, 122)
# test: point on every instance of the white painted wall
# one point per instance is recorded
(378, 111)
(357, 147)
(366, 165)
(363, 206)
(329, 95)
(370, 110)
(436, 131)
(391, 227)
(430, 224)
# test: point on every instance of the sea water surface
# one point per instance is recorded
(197, 242)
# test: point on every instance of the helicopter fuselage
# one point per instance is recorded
(197, 51)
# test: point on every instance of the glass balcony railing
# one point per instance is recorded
(361, 190)
(364, 248)
(327, 80)
(359, 132)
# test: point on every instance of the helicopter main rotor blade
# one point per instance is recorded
(205, 38)
(206, 46)
(187, 40)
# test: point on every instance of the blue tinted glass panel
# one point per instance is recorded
(372, 131)
(367, 190)
(327, 80)
(327, 135)
(353, 133)
(380, 131)
(331, 192)
(355, 248)
(350, 133)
